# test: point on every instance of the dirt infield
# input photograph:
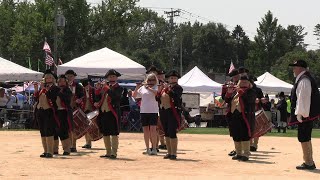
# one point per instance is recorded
(199, 157)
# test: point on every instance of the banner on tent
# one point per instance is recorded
(192, 100)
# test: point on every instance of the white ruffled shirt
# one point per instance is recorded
(303, 92)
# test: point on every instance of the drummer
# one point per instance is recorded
(77, 94)
(87, 105)
(243, 99)
(45, 112)
(64, 114)
(108, 120)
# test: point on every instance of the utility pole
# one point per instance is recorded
(171, 15)
(55, 47)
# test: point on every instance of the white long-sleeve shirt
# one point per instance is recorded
(303, 92)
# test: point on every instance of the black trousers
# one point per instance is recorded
(169, 123)
(63, 131)
(305, 131)
(108, 124)
(239, 128)
(46, 122)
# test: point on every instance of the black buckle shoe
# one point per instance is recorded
(43, 155)
(173, 157)
(253, 149)
(66, 153)
(73, 150)
(113, 157)
(87, 146)
(305, 166)
(105, 156)
(167, 156)
(236, 157)
(244, 158)
(49, 155)
(232, 153)
(162, 147)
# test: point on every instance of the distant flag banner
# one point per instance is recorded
(46, 47)
(60, 62)
(49, 60)
(231, 67)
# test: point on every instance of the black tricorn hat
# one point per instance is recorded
(173, 73)
(152, 68)
(70, 71)
(243, 70)
(48, 71)
(85, 82)
(160, 72)
(234, 72)
(112, 72)
(281, 94)
(62, 76)
(244, 77)
(300, 63)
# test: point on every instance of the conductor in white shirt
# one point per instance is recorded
(305, 103)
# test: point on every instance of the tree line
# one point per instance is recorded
(148, 38)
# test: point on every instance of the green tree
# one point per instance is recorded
(242, 43)
(317, 32)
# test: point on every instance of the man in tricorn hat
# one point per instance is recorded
(87, 105)
(109, 118)
(45, 111)
(77, 94)
(305, 103)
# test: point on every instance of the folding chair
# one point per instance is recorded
(134, 121)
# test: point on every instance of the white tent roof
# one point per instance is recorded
(97, 63)
(270, 84)
(196, 81)
(10, 71)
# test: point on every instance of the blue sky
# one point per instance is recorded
(246, 13)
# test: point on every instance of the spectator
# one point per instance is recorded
(124, 102)
(11, 99)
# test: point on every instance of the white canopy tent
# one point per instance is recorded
(97, 63)
(270, 84)
(10, 71)
(197, 82)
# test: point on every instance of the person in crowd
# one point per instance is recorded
(149, 111)
(282, 108)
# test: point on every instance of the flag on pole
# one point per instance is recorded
(49, 60)
(231, 67)
(60, 62)
(46, 47)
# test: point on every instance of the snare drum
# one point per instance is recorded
(262, 124)
(81, 123)
(94, 131)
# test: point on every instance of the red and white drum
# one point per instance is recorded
(262, 124)
(94, 131)
(81, 123)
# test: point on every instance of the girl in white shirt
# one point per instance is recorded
(149, 110)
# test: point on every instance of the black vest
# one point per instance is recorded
(315, 99)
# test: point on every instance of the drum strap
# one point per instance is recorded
(68, 116)
(173, 108)
(244, 115)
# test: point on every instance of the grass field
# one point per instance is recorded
(225, 131)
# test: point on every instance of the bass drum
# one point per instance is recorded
(94, 131)
(262, 124)
(81, 124)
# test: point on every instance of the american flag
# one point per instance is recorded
(60, 62)
(49, 59)
(231, 67)
(46, 47)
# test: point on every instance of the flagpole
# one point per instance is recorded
(38, 64)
